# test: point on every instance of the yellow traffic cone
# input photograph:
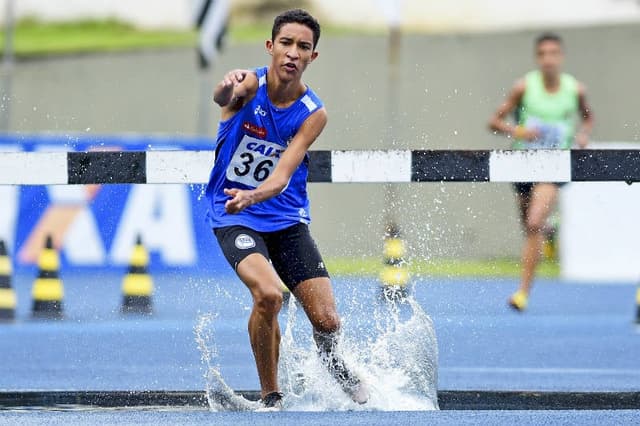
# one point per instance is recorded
(47, 291)
(8, 298)
(286, 293)
(394, 276)
(137, 285)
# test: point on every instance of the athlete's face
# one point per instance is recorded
(550, 56)
(292, 50)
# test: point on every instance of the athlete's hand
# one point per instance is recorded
(525, 133)
(230, 87)
(239, 201)
(582, 139)
(232, 80)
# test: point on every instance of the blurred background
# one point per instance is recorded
(82, 74)
(406, 74)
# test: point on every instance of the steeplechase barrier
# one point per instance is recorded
(376, 166)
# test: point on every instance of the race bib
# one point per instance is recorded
(552, 135)
(254, 161)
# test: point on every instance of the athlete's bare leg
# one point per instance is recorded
(264, 331)
(538, 207)
(316, 297)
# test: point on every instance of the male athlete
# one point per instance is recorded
(546, 103)
(259, 209)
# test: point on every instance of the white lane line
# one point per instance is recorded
(532, 370)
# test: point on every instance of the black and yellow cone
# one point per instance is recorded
(8, 300)
(137, 285)
(550, 245)
(394, 276)
(47, 291)
(286, 293)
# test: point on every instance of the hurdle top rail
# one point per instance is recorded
(374, 166)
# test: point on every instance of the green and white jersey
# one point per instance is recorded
(554, 115)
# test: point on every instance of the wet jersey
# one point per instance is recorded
(248, 148)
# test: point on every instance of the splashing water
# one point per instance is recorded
(219, 395)
(391, 346)
(397, 361)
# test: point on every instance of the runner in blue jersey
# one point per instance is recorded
(258, 204)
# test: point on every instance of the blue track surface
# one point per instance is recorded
(435, 418)
(573, 338)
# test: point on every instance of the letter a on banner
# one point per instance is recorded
(161, 216)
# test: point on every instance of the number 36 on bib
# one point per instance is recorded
(254, 161)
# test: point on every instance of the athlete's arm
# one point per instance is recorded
(498, 122)
(289, 162)
(234, 91)
(586, 116)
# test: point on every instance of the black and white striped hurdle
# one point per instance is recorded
(401, 166)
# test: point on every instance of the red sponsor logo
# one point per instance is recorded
(260, 132)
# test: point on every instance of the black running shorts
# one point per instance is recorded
(292, 252)
(524, 188)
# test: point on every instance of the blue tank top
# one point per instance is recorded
(248, 147)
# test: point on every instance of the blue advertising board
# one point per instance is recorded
(95, 226)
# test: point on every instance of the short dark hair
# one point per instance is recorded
(297, 16)
(548, 36)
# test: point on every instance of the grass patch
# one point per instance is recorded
(249, 33)
(33, 38)
(443, 267)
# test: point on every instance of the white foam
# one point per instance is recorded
(219, 395)
(396, 355)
